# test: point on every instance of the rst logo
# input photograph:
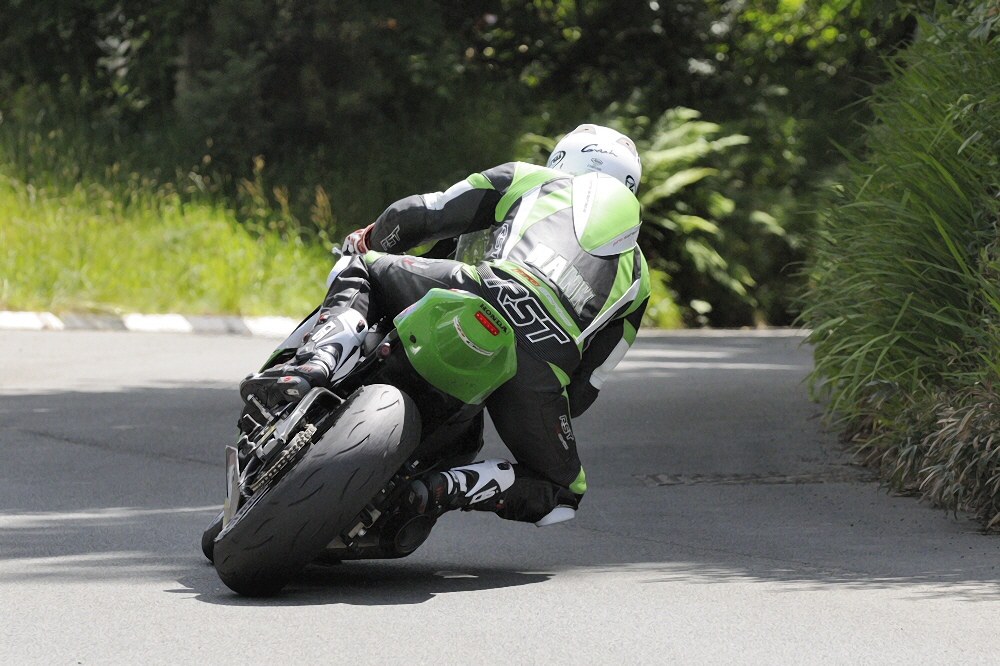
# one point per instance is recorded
(524, 311)
(500, 239)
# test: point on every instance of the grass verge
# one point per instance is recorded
(144, 248)
(905, 286)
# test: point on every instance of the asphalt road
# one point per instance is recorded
(722, 526)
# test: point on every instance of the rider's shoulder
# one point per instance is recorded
(503, 176)
(606, 215)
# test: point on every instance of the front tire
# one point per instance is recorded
(274, 535)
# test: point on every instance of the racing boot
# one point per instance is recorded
(480, 486)
(331, 351)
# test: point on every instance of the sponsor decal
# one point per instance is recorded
(523, 310)
(627, 237)
(416, 262)
(500, 239)
(557, 158)
(527, 276)
(469, 343)
(566, 428)
(484, 494)
(493, 317)
(594, 148)
(630, 183)
(487, 324)
(391, 240)
(563, 274)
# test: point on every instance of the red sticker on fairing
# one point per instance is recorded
(487, 324)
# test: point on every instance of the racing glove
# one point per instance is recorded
(357, 241)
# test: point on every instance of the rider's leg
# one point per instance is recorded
(482, 485)
(369, 287)
(329, 350)
(531, 415)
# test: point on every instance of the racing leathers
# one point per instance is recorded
(562, 267)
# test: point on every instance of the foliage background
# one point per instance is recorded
(904, 297)
(305, 119)
(830, 163)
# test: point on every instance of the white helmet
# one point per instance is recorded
(597, 148)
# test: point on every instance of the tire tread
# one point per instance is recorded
(319, 496)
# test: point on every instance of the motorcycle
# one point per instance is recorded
(327, 477)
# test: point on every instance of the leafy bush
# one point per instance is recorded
(685, 214)
(340, 108)
(905, 284)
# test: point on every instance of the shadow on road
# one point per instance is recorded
(118, 486)
(374, 583)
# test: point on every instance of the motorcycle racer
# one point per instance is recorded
(564, 269)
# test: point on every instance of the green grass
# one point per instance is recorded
(94, 219)
(143, 247)
(90, 221)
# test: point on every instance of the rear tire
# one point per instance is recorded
(272, 537)
(208, 537)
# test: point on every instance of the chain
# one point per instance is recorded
(286, 457)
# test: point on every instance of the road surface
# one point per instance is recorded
(722, 526)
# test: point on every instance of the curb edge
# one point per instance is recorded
(268, 326)
(264, 327)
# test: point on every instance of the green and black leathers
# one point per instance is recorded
(563, 268)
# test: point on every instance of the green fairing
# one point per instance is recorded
(454, 350)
